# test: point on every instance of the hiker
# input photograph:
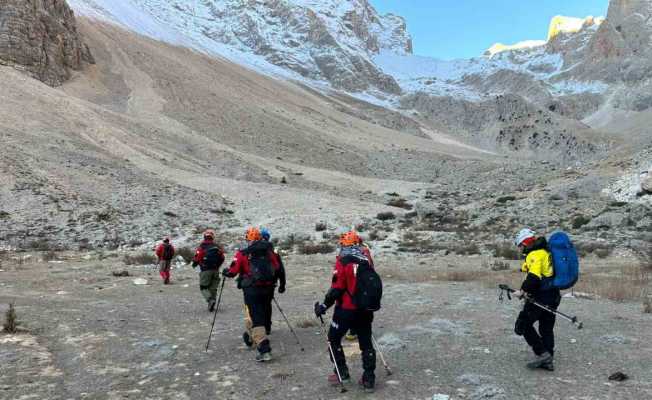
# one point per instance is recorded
(266, 235)
(539, 268)
(352, 335)
(258, 270)
(165, 253)
(209, 256)
(347, 314)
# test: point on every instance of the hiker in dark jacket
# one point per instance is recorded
(258, 270)
(266, 235)
(209, 256)
(165, 253)
(347, 315)
(539, 268)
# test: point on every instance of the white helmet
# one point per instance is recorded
(523, 235)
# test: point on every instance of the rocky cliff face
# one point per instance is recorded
(40, 37)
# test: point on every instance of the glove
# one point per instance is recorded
(195, 264)
(519, 294)
(320, 309)
(226, 273)
(281, 289)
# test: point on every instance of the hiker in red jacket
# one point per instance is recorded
(347, 315)
(209, 256)
(258, 270)
(165, 253)
(352, 335)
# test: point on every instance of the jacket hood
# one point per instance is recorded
(539, 243)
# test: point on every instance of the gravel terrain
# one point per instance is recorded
(90, 335)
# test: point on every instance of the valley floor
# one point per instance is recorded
(90, 335)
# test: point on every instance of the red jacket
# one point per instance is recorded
(201, 252)
(343, 284)
(240, 266)
(159, 250)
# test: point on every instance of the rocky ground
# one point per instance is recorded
(88, 334)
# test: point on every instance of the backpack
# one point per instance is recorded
(262, 270)
(368, 287)
(213, 258)
(565, 263)
(168, 251)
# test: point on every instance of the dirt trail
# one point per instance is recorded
(95, 336)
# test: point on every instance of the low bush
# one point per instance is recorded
(11, 321)
(400, 203)
(186, 253)
(316, 248)
(320, 226)
(143, 258)
(385, 216)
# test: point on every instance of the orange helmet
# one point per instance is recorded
(209, 234)
(350, 238)
(253, 234)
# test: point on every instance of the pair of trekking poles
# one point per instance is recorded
(217, 307)
(508, 290)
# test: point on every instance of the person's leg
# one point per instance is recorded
(268, 313)
(363, 327)
(205, 282)
(256, 300)
(525, 327)
(339, 326)
(214, 284)
(547, 331)
(247, 336)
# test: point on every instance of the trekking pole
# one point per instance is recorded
(579, 324)
(288, 322)
(382, 357)
(330, 349)
(219, 300)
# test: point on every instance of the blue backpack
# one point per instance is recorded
(564, 262)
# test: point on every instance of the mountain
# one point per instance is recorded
(41, 38)
(332, 40)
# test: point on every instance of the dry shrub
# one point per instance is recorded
(316, 248)
(600, 249)
(50, 256)
(320, 226)
(647, 305)
(400, 203)
(385, 216)
(11, 321)
(630, 283)
(504, 250)
(460, 276)
(186, 253)
(143, 258)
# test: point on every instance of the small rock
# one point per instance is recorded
(120, 273)
(618, 377)
(440, 396)
(140, 281)
(613, 339)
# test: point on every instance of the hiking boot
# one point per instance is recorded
(247, 339)
(166, 281)
(540, 361)
(264, 357)
(334, 380)
(367, 385)
(211, 305)
(549, 366)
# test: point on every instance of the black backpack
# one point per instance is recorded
(213, 258)
(262, 270)
(368, 288)
(168, 251)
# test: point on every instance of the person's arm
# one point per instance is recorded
(533, 279)
(338, 286)
(159, 251)
(280, 272)
(199, 256)
(236, 266)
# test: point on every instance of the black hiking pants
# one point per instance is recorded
(258, 302)
(360, 321)
(544, 339)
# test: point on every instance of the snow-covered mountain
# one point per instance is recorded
(540, 90)
(323, 40)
